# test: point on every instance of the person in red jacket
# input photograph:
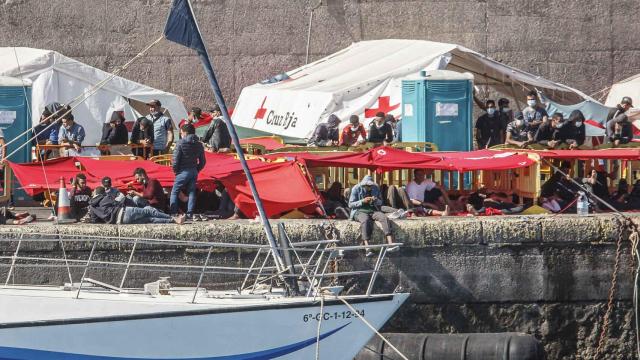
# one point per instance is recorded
(152, 193)
(354, 133)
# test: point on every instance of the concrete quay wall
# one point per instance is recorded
(548, 276)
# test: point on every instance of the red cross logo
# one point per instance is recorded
(383, 105)
(261, 111)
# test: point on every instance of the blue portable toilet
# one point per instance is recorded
(15, 119)
(437, 108)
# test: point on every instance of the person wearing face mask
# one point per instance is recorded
(578, 126)
(380, 131)
(518, 133)
(554, 133)
(70, 136)
(534, 114)
(489, 127)
(354, 133)
(506, 116)
(162, 128)
(619, 129)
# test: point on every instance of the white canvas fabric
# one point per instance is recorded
(367, 77)
(57, 78)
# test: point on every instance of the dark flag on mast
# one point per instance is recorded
(182, 28)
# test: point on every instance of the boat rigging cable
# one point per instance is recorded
(634, 235)
(86, 95)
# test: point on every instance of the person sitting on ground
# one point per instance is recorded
(79, 196)
(152, 192)
(551, 203)
(518, 133)
(226, 207)
(434, 197)
(577, 127)
(380, 132)
(633, 200)
(416, 192)
(71, 135)
(188, 161)
(354, 133)
(326, 134)
(534, 114)
(115, 133)
(365, 205)
(162, 126)
(104, 209)
(619, 197)
(334, 203)
(217, 135)
(501, 201)
(488, 127)
(22, 218)
(109, 190)
(142, 134)
(550, 133)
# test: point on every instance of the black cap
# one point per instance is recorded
(196, 111)
(626, 100)
(155, 103)
(106, 181)
(380, 114)
(354, 119)
(518, 115)
(215, 108)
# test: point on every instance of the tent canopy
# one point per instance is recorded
(366, 77)
(57, 78)
(628, 87)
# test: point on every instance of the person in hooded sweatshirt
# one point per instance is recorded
(188, 161)
(489, 127)
(365, 202)
(115, 133)
(326, 134)
(380, 131)
(104, 209)
(578, 127)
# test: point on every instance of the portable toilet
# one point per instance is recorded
(437, 107)
(15, 119)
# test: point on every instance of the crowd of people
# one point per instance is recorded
(383, 129)
(533, 126)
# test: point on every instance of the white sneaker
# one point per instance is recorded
(398, 214)
(393, 249)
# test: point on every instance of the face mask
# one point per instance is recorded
(519, 123)
(531, 103)
(578, 123)
(559, 125)
(491, 111)
(505, 110)
(354, 128)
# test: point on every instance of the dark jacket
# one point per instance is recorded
(137, 134)
(326, 133)
(115, 135)
(104, 209)
(217, 135)
(380, 134)
(489, 130)
(188, 154)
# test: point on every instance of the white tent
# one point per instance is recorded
(366, 77)
(57, 78)
(627, 87)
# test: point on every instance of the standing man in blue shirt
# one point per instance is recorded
(70, 135)
(162, 128)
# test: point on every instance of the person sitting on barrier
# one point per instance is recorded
(518, 133)
(354, 133)
(217, 135)
(326, 134)
(71, 135)
(334, 203)
(380, 132)
(115, 133)
(109, 190)
(365, 205)
(417, 190)
(104, 209)
(142, 134)
(548, 133)
(578, 127)
(488, 127)
(618, 127)
(152, 192)
(44, 130)
(79, 196)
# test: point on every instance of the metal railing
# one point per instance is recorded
(311, 262)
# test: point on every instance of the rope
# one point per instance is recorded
(91, 91)
(319, 325)
(372, 328)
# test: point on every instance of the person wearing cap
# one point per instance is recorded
(326, 134)
(380, 131)
(142, 134)
(489, 127)
(619, 128)
(110, 191)
(517, 132)
(365, 203)
(188, 161)
(534, 114)
(162, 128)
(115, 133)
(217, 136)
(354, 133)
(71, 135)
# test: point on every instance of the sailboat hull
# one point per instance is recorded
(98, 328)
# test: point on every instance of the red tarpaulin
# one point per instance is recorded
(612, 154)
(121, 172)
(281, 186)
(32, 177)
(481, 160)
(269, 143)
